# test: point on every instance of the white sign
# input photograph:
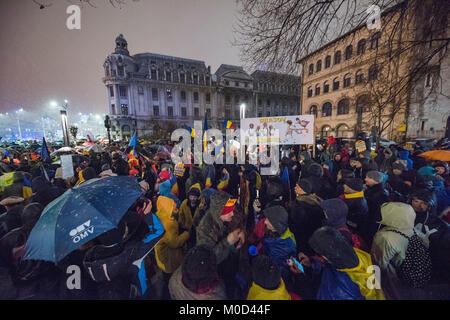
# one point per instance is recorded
(67, 166)
(278, 130)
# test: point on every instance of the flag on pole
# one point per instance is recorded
(210, 175)
(228, 124)
(191, 131)
(26, 190)
(45, 154)
(286, 182)
(133, 141)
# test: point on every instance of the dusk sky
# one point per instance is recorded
(43, 61)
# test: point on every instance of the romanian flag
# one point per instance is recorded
(7, 156)
(223, 183)
(228, 124)
(191, 130)
(27, 192)
(133, 141)
(229, 206)
(45, 154)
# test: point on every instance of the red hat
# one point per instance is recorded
(229, 207)
(164, 175)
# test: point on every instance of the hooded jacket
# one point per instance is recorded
(185, 214)
(375, 197)
(195, 176)
(259, 293)
(212, 232)
(389, 248)
(358, 211)
(169, 251)
(199, 214)
(165, 190)
(404, 155)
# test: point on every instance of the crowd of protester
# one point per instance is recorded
(362, 225)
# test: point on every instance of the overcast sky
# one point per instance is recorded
(43, 61)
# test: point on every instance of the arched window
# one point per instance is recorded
(313, 110)
(326, 131)
(311, 69)
(362, 104)
(326, 87)
(319, 65)
(327, 61)
(373, 73)
(335, 84)
(343, 131)
(317, 90)
(347, 80)
(348, 52)
(337, 57)
(374, 40)
(126, 128)
(359, 77)
(327, 109)
(343, 106)
(361, 47)
(310, 92)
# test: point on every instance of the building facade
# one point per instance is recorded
(149, 91)
(359, 82)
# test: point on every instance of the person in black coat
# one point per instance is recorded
(320, 184)
(398, 188)
(119, 165)
(357, 205)
(342, 175)
(376, 195)
(438, 238)
(306, 215)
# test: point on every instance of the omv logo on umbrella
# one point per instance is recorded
(82, 231)
(79, 215)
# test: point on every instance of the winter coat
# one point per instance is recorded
(259, 293)
(375, 196)
(120, 167)
(120, 270)
(399, 189)
(389, 248)
(280, 249)
(11, 219)
(349, 284)
(212, 232)
(404, 155)
(199, 214)
(165, 190)
(345, 156)
(169, 251)
(306, 216)
(358, 212)
(186, 214)
(321, 186)
(179, 292)
(439, 245)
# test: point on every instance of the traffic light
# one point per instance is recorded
(107, 122)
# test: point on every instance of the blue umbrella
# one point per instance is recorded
(80, 215)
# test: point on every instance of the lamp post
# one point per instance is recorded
(65, 129)
(18, 122)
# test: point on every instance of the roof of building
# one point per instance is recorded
(329, 44)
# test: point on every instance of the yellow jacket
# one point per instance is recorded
(259, 293)
(169, 250)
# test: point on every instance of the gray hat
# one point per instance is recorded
(376, 176)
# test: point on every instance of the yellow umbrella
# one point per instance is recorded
(440, 155)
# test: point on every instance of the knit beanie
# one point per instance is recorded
(305, 185)
(330, 243)
(278, 217)
(265, 273)
(199, 269)
(336, 211)
(376, 176)
(355, 184)
(164, 175)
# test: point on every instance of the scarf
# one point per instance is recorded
(354, 195)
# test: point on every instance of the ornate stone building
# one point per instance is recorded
(148, 91)
(359, 82)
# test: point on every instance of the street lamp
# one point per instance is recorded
(65, 129)
(18, 122)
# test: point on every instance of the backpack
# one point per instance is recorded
(415, 270)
